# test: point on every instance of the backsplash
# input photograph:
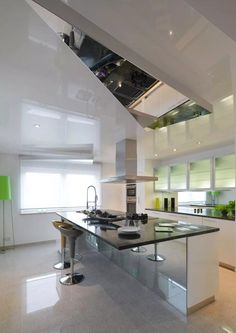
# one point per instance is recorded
(221, 197)
(191, 198)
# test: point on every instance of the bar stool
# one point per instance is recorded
(72, 234)
(155, 256)
(62, 264)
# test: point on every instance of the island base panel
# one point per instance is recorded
(202, 270)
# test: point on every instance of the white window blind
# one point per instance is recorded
(57, 184)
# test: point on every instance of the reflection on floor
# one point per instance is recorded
(107, 301)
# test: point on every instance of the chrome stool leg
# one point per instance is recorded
(155, 256)
(62, 264)
(72, 277)
(139, 249)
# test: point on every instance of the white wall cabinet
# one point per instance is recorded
(190, 218)
(226, 235)
(175, 216)
(227, 240)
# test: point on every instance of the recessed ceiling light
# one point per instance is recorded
(170, 32)
(36, 125)
(155, 155)
(174, 149)
(199, 142)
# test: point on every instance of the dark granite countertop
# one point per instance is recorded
(147, 235)
(206, 212)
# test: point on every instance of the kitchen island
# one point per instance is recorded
(208, 217)
(187, 279)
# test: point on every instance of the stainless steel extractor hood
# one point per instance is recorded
(126, 165)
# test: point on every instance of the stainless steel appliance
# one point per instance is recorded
(131, 190)
(127, 165)
(130, 198)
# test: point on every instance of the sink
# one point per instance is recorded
(97, 220)
(93, 221)
(101, 216)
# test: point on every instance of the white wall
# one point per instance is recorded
(27, 228)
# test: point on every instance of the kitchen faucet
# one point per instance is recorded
(95, 197)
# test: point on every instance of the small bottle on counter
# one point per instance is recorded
(172, 204)
(157, 204)
(165, 203)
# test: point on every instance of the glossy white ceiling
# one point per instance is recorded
(220, 13)
(175, 43)
(48, 98)
(44, 83)
(169, 39)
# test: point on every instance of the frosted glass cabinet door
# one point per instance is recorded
(225, 171)
(163, 178)
(200, 175)
(178, 177)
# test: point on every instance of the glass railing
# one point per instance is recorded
(126, 81)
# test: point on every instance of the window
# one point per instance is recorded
(50, 184)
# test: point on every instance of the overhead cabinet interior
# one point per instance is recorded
(214, 173)
(200, 174)
(225, 171)
(178, 177)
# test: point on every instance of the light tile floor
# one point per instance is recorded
(107, 301)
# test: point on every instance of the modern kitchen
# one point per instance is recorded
(118, 168)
